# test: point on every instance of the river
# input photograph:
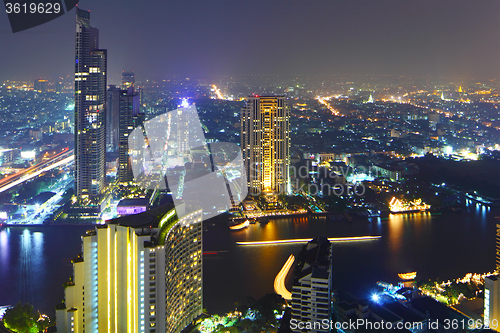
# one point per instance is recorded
(35, 261)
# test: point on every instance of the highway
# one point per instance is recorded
(65, 157)
(323, 100)
(217, 92)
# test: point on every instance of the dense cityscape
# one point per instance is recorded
(247, 203)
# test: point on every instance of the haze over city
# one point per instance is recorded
(450, 39)
(214, 166)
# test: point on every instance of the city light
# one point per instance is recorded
(305, 240)
(323, 101)
(279, 281)
(24, 178)
(217, 92)
(401, 206)
(240, 226)
(407, 276)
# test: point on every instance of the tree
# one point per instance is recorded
(21, 319)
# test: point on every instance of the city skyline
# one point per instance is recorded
(367, 145)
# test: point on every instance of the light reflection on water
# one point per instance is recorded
(35, 262)
(435, 245)
(31, 265)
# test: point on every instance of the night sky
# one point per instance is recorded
(456, 39)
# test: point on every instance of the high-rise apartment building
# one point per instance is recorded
(265, 144)
(122, 116)
(492, 290)
(311, 293)
(112, 118)
(129, 117)
(90, 112)
(492, 301)
(136, 274)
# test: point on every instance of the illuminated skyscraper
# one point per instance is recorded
(128, 119)
(312, 286)
(492, 301)
(137, 274)
(90, 107)
(265, 144)
(112, 118)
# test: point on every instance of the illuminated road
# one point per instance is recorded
(323, 101)
(305, 240)
(217, 92)
(63, 158)
(279, 281)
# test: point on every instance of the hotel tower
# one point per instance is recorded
(265, 144)
(138, 273)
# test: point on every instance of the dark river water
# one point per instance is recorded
(35, 261)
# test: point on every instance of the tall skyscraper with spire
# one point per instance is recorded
(90, 115)
(265, 144)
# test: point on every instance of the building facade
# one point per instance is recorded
(90, 111)
(112, 118)
(136, 275)
(311, 292)
(497, 256)
(265, 144)
(122, 116)
(129, 117)
(492, 301)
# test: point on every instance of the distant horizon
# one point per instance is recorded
(431, 39)
(327, 77)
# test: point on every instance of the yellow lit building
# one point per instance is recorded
(265, 144)
(139, 273)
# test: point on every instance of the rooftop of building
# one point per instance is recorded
(403, 312)
(386, 315)
(133, 202)
(473, 308)
(345, 305)
(149, 218)
(435, 309)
